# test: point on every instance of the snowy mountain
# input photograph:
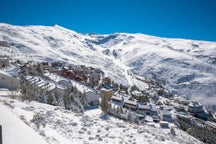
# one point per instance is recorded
(186, 67)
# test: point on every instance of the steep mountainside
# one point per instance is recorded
(186, 67)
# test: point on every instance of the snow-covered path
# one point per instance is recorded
(15, 131)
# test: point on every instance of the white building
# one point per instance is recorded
(8, 81)
(45, 88)
(92, 95)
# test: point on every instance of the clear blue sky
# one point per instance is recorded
(192, 19)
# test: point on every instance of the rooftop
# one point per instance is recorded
(146, 107)
(116, 98)
(127, 101)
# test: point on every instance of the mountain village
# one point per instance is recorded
(79, 88)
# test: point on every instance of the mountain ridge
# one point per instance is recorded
(105, 34)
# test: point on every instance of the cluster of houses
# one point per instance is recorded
(55, 83)
(139, 112)
(50, 78)
(198, 110)
(59, 89)
(86, 75)
(91, 94)
(189, 107)
(142, 107)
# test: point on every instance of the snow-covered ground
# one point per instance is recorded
(187, 67)
(15, 131)
(59, 126)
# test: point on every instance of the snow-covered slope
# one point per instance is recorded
(186, 67)
(60, 126)
(15, 130)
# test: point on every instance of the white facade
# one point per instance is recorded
(8, 81)
(92, 97)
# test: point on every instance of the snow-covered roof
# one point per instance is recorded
(5, 73)
(166, 113)
(153, 107)
(167, 108)
(104, 89)
(61, 87)
(28, 77)
(41, 83)
(81, 87)
(146, 107)
(116, 98)
(137, 93)
(129, 101)
(44, 84)
(49, 87)
(34, 80)
(54, 77)
(12, 70)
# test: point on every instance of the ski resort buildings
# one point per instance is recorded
(59, 87)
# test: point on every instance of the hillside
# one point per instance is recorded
(185, 67)
(56, 125)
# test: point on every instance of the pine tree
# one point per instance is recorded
(39, 69)
(23, 87)
(129, 116)
(109, 107)
(84, 99)
(172, 131)
(117, 110)
(121, 110)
